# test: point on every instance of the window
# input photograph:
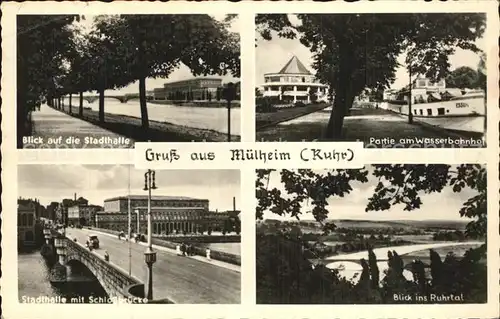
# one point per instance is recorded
(421, 112)
(441, 111)
(415, 112)
(429, 111)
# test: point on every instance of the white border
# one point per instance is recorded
(12, 309)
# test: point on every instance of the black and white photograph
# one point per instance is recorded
(389, 80)
(384, 234)
(100, 234)
(107, 81)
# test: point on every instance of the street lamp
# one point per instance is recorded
(149, 255)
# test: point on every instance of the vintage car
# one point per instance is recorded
(93, 241)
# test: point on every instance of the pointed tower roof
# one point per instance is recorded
(294, 66)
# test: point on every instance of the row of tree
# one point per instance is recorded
(55, 57)
(355, 52)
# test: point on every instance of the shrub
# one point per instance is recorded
(299, 104)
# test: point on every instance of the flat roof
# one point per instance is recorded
(132, 197)
(194, 79)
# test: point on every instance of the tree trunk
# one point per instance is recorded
(343, 95)
(144, 106)
(410, 114)
(101, 105)
(80, 108)
(70, 98)
(60, 103)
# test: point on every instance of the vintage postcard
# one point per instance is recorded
(250, 160)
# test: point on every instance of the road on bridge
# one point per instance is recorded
(51, 123)
(180, 279)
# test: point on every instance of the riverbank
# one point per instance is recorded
(265, 120)
(214, 104)
(130, 127)
(376, 128)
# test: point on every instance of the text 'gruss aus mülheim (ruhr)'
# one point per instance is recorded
(241, 155)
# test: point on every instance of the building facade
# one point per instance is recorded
(196, 89)
(82, 214)
(294, 83)
(169, 215)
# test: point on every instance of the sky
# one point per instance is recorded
(272, 55)
(98, 182)
(436, 206)
(181, 73)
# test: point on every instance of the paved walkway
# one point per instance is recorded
(55, 129)
(166, 249)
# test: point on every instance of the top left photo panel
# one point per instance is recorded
(108, 81)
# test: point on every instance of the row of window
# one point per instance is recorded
(25, 220)
(440, 111)
(292, 79)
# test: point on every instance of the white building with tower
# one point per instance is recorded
(294, 83)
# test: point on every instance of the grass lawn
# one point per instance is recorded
(268, 119)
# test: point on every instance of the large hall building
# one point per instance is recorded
(169, 215)
(294, 83)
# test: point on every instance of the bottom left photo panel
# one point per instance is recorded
(115, 234)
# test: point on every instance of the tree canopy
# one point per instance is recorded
(352, 52)
(155, 45)
(42, 43)
(463, 78)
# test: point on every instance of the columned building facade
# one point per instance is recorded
(294, 83)
(169, 215)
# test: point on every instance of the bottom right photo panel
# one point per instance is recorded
(384, 234)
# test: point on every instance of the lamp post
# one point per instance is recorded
(149, 254)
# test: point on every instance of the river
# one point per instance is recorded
(33, 272)
(349, 267)
(211, 118)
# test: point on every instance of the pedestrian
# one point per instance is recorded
(178, 250)
(106, 256)
(208, 253)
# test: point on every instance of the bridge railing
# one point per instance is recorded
(109, 274)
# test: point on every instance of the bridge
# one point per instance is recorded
(176, 279)
(123, 98)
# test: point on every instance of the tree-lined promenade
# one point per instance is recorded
(57, 59)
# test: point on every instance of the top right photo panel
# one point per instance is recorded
(390, 80)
